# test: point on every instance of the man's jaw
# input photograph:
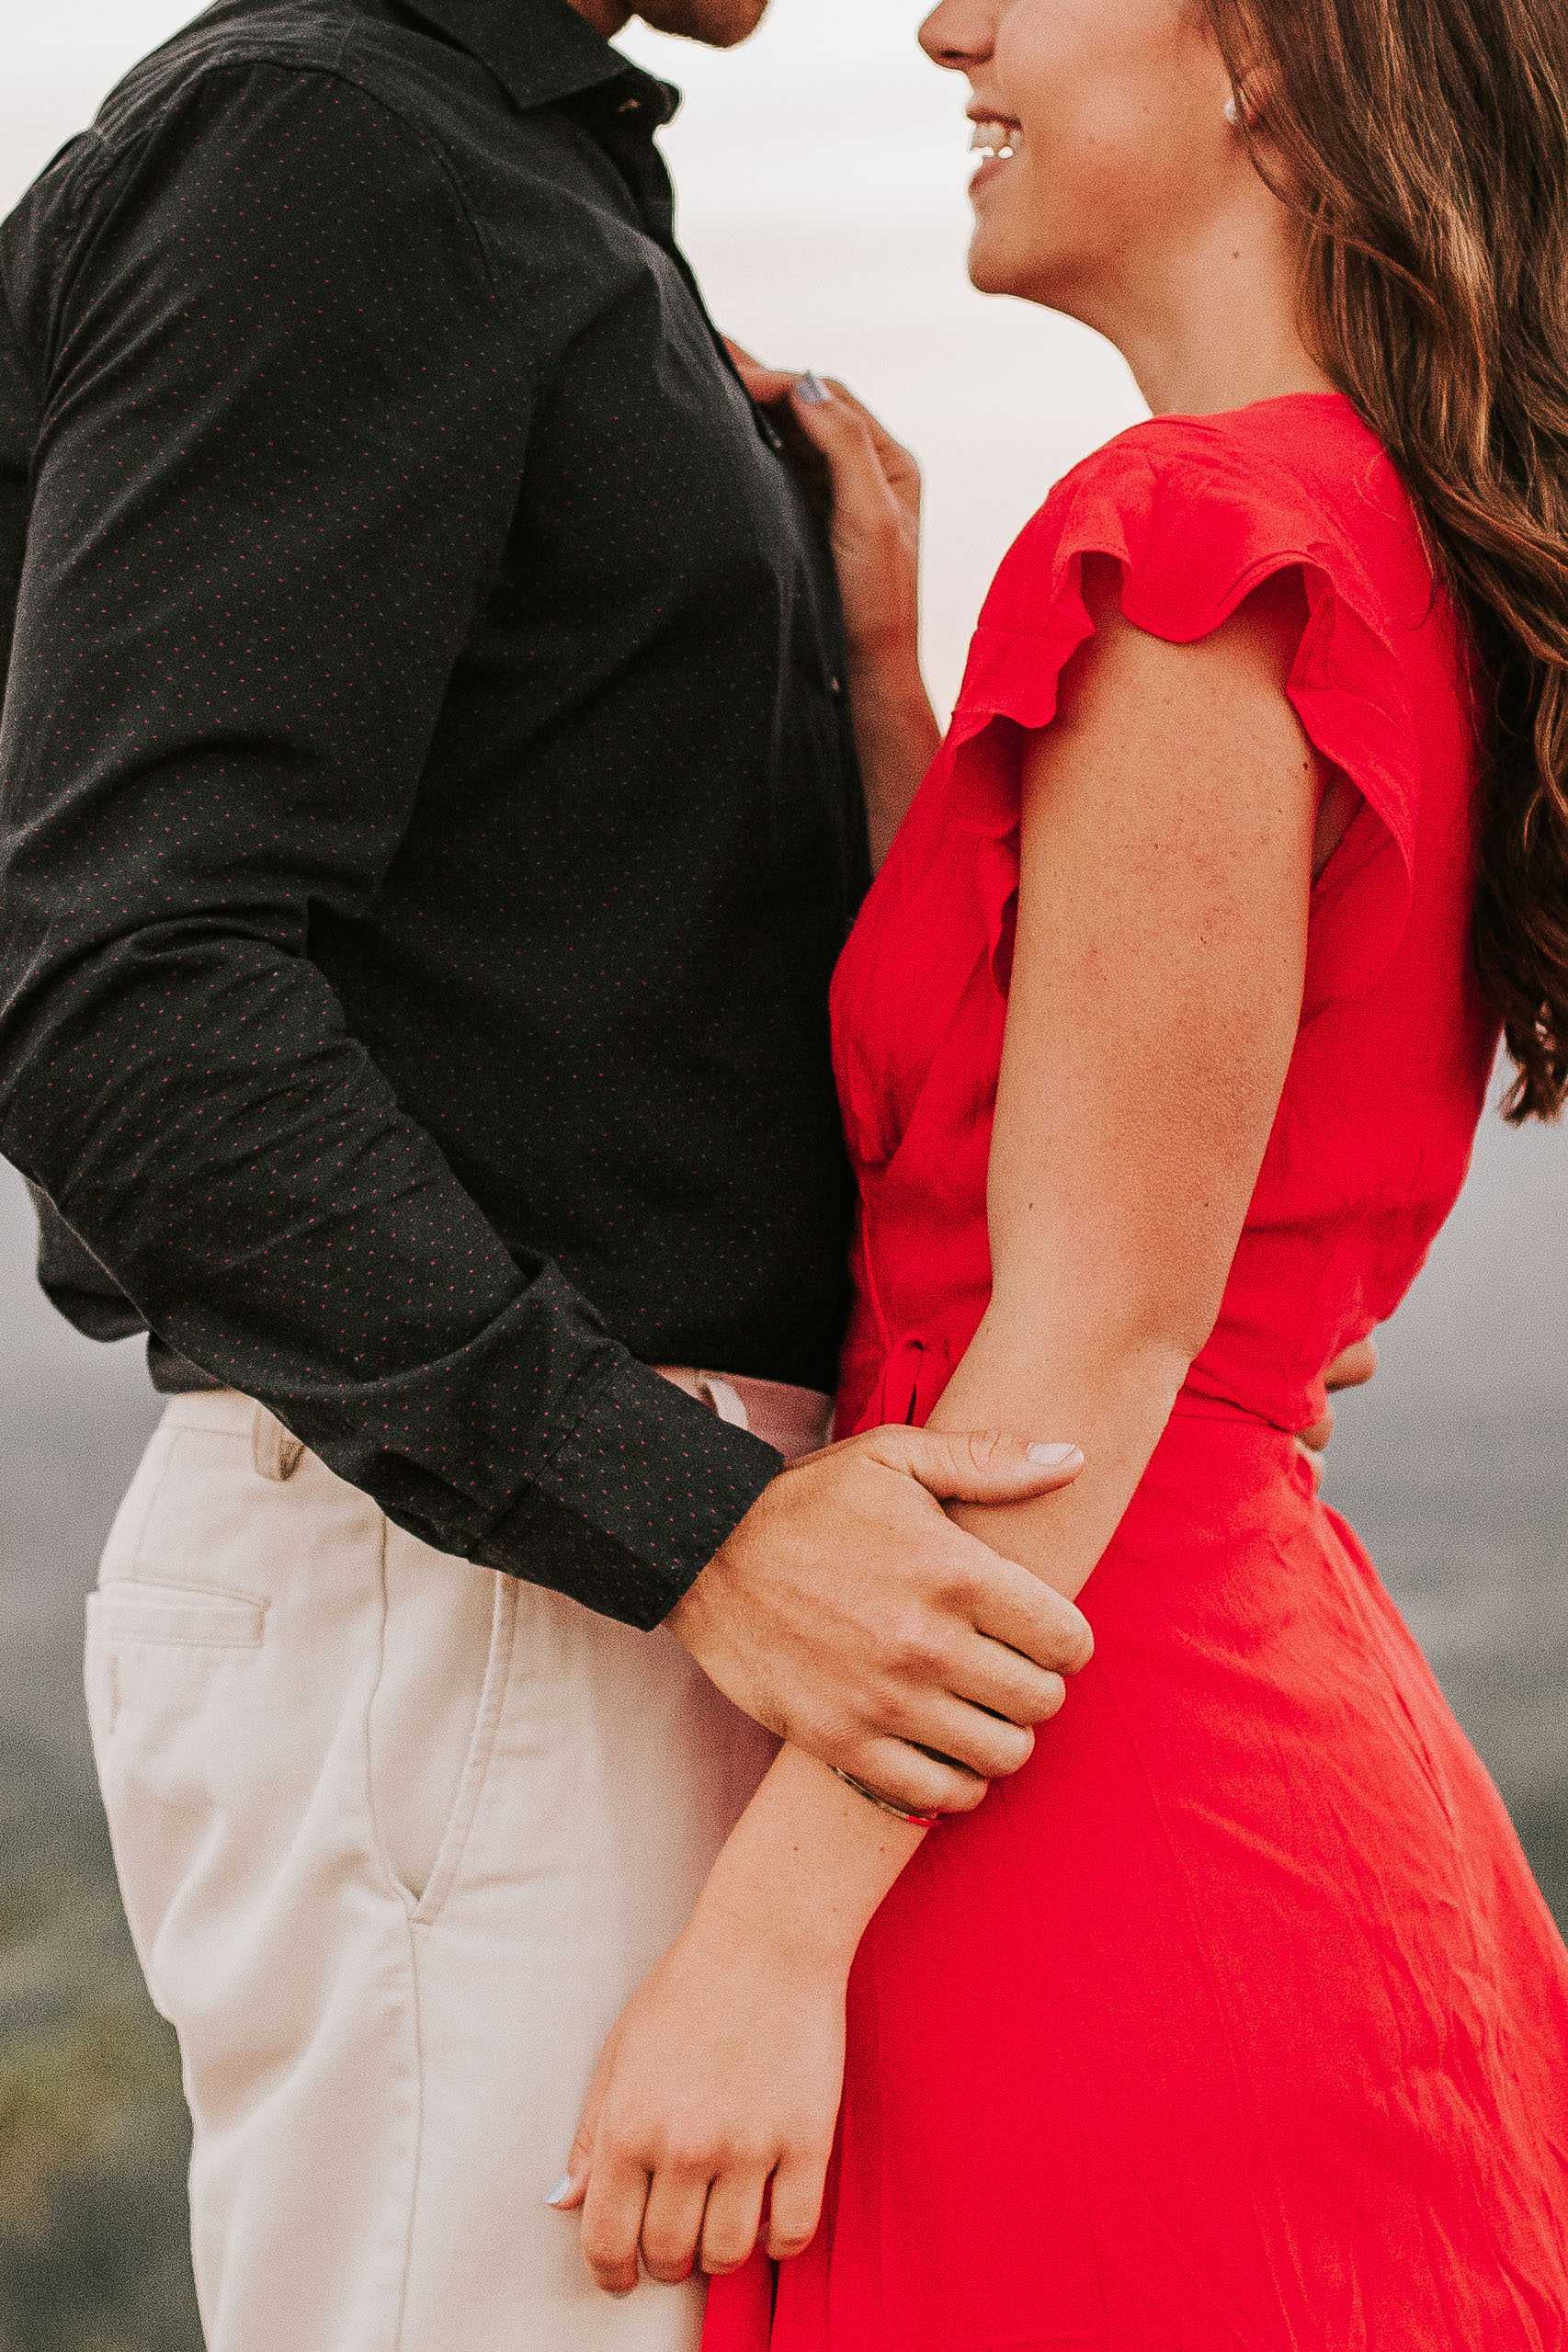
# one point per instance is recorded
(607, 16)
(717, 24)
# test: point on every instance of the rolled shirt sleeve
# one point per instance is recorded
(284, 426)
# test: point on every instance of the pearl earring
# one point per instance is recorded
(1232, 111)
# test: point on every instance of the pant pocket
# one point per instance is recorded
(446, 1656)
(161, 1663)
(231, 1651)
(185, 1617)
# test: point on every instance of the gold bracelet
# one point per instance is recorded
(885, 1804)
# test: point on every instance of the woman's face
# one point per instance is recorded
(1121, 154)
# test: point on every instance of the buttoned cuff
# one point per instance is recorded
(633, 1504)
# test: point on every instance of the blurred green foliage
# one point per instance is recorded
(93, 2134)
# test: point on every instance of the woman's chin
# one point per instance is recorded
(988, 269)
(996, 267)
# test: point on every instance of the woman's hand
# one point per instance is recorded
(724, 2076)
(875, 524)
(873, 508)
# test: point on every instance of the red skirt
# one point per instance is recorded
(1235, 2019)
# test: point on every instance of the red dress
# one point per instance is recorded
(1235, 2019)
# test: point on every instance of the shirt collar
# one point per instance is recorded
(542, 51)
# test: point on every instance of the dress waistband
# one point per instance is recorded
(1192, 1406)
(916, 1367)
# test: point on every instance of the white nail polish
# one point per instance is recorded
(1052, 1457)
(812, 390)
(563, 2189)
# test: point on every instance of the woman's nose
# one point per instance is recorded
(960, 34)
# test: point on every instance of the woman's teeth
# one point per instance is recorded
(1001, 140)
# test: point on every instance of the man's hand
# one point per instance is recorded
(1351, 1371)
(849, 1615)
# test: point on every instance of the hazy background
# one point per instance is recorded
(821, 171)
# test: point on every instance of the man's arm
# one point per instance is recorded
(284, 428)
(286, 422)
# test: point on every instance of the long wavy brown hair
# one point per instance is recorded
(1424, 143)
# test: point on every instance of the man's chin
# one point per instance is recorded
(717, 24)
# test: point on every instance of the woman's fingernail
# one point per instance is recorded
(1052, 1457)
(811, 389)
(562, 2191)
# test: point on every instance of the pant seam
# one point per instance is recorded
(422, 1917)
(476, 1763)
(392, 1883)
(416, 2173)
(398, 1895)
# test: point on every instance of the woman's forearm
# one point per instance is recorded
(811, 1860)
(896, 737)
(804, 1868)
(1118, 1401)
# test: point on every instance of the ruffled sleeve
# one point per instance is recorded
(1196, 522)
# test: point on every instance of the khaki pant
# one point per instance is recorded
(397, 1837)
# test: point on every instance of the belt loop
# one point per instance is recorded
(276, 1451)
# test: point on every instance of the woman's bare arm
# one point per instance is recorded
(1169, 819)
(1169, 816)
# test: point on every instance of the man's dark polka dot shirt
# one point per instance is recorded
(427, 814)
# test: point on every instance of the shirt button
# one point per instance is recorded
(835, 688)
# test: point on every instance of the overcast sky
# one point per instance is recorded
(822, 172)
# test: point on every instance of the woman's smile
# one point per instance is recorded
(997, 140)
